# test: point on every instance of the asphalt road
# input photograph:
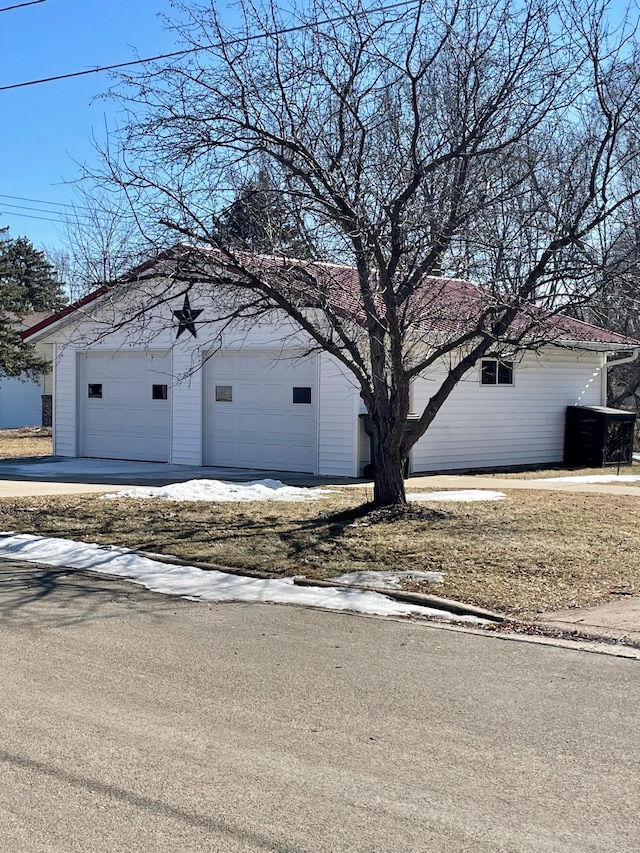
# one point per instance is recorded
(135, 722)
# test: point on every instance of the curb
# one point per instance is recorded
(227, 570)
(434, 601)
(448, 604)
(609, 636)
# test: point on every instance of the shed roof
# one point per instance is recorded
(442, 305)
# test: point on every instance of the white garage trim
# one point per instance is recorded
(260, 410)
(123, 405)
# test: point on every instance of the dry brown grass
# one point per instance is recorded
(534, 551)
(26, 441)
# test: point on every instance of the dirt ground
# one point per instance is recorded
(26, 441)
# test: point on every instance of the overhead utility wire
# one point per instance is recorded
(4, 205)
(230, 43)
(40, 201)
(29, 216)
(22, 5)
(56, 216)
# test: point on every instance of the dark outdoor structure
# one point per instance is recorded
(596, 436)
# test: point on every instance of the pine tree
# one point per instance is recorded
(258, 221)
(28, 283)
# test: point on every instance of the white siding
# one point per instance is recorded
(482, 426)
(337, 421)
(64, 404)
(20, 403)
(186, 403)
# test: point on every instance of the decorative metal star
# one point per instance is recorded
(186, 318)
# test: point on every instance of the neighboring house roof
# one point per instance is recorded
(26, 321)
(443, 305)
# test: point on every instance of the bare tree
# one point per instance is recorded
(101, 240)
(417, 143)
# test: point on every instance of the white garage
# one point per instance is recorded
(174, 381)
(261, 410)
(123, 405)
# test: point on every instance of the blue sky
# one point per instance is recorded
(46, 129)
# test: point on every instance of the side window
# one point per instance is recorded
(505, 373)
(488, 372)
(302, 395)
(95, 391)
(494, 372)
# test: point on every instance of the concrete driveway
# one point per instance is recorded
(132, 721)
(62, 475)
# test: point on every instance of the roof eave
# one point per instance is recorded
(61, 318)
(598, 346)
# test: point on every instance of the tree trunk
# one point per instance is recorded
(388, 478)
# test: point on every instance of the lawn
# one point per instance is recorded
(532, 552)
(26, 441)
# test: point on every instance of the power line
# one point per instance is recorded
(4, 205)
(29, 216)
(22, 5)
(240, 40)
(40, 201)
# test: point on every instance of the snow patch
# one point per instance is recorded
(390, 580)
(461, 495)
(201, 585)
(218, 490)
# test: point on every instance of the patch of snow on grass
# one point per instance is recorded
(201, 585)
(460, 495)
(390, 580)
(592, 478)
(217, 490)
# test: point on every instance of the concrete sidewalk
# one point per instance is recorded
(485, 481)
(615, 620)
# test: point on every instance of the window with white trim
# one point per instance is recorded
(494, 371)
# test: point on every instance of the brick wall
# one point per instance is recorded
(47, 410)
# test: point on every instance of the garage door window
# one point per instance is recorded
(224, 393)
(302, 395)
(159, 392)
(95, 391)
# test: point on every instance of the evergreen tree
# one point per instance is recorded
(28, 283)
(258, 221)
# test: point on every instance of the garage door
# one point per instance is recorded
(260, 411)
(123, 405)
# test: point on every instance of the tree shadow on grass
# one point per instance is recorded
(286, 540)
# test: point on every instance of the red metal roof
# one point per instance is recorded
(442, 305)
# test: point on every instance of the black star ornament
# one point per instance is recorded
(186, 318)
